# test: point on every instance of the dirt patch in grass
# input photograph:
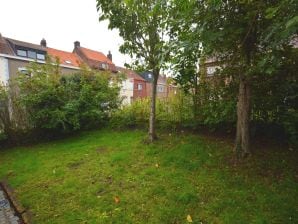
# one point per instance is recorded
(101, 150)
(75, 165)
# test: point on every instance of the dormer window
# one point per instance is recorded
(68, 62)
(41, 56)
(22, 53)
(32, 54)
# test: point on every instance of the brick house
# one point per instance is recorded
(133, 87)
(94, 59)
(15, 56)
(163, 89)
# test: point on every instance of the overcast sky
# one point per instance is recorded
(60, 22)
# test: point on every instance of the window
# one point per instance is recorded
(160, 89)
(140, 86)
(41, 56)
(32, 54)
(104, 66)
(24, 71)
(211, 70)
(22, 53)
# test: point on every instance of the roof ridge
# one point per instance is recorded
(60, 50)
(21, 41)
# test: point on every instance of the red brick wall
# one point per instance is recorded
(139, 93)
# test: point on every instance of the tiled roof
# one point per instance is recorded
(130, 74)
(66, 58)
(95, 55)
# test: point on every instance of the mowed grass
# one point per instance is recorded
(76, 180)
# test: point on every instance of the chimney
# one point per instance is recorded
(43, 43)
(110, 56)
(77, 44)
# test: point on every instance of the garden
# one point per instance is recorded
(221, 149)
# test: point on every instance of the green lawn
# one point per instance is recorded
(76, 180)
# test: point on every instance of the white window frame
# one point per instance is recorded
(140, 86)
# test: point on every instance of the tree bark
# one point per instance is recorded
(242, 146)
(195, 97)
(152, 133)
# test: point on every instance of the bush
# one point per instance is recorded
(62, 104)
(45, 103)
(173, 112)
(217, 105)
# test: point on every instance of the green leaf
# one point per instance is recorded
(292, 22)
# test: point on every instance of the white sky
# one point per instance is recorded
(60, 22)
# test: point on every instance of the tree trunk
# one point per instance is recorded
(195, 97)
(152, 133)
(242, 147)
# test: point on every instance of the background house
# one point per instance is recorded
(162, 89)
(133, 86)
(15, 56)
(65, 58)
(94, 59)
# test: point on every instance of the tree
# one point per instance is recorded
(247, 37)
(142, 25)
(185, 50)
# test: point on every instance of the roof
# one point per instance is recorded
(66, 58)
(26, 44)
(95, 55)
(130, 74)
(4, 47)
(147, 75)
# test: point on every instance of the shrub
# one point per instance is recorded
(172, 112)
(62, 104)
(217, 105)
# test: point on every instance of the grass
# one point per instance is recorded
(76, 180)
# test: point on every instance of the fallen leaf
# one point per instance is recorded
(117, 199)
(189, 219)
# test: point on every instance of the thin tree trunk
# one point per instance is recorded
(195, 98)
(242, 146)
(152, 133)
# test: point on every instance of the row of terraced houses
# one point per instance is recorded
(15, 56)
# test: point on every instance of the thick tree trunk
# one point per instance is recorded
(152, 133)
(242, 146)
